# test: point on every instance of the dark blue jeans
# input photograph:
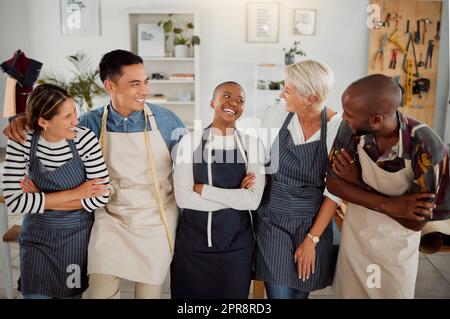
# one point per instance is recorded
(283, 292)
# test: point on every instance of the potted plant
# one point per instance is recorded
(182, 40)
(83, 87)
(289, 54)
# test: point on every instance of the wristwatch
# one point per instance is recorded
(315, 239)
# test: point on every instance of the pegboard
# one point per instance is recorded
(422, 106)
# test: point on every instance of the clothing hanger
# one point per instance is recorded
(17, 55)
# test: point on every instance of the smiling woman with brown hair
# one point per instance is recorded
(57, 178)
(219, 177)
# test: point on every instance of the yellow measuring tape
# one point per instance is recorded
(152, 173)
(409, 83)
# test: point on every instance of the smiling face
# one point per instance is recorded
(356, 117)
(62, 125)
(128, 92)
(295, 101)
(228, 104)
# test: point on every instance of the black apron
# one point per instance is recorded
(223, 270)
(53, 245)
(291, 201)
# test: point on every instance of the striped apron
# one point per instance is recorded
(53, 245)
(222, 270)
(291, 201)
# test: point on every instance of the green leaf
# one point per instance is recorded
(190, 25)
(195, 40)
(177, 30)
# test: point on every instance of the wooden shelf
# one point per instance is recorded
(171, 81)
(172, 102)
(167, 59)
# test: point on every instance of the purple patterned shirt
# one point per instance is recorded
(418, 143)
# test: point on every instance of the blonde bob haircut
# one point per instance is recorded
(311, 77)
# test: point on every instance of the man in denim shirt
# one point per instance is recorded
(133, 237)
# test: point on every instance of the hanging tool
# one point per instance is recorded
(417, 33)
(421, 85)
(397, 81)
(425, 22)
(438, 29)
(429, 54)
(410, 43)
(407, 28)
(393, 62)
(393, 38)
(420, 63)
(409, 91)
(380, 52)
(408, 85)
(396, 19)
(386, 22)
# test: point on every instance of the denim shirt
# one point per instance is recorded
(169, 125)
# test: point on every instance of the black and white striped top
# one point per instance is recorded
(52, 156)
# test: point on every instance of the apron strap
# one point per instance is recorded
(33, 147)
(241, 148)
(153, 175)
(323, 128)
(151, 118)
(74, 150)
(287, 120)
(103, 129)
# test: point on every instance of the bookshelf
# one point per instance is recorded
(165, 66)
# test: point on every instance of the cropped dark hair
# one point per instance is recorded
(44, 101)
(226, 83)
(112, 62)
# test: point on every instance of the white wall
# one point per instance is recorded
(341, 40)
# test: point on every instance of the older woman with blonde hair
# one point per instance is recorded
(294, 254)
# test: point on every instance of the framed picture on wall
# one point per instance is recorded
(263, 22)
(305, 21)
(80, 17)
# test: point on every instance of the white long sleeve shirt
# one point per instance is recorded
(215, 198)
(274, 119)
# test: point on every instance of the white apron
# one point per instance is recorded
(133, 238)
(371, 238)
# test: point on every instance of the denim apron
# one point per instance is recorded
(53, 245)
(223, 269)
(291, 201)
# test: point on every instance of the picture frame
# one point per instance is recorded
(263, 22)
(150, 40)
(305, 21)
(80, 17)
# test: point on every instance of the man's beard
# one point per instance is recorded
(364, 130)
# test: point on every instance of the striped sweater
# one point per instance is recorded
(52, 156)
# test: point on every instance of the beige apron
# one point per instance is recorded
(372, 241)
(133, 237)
